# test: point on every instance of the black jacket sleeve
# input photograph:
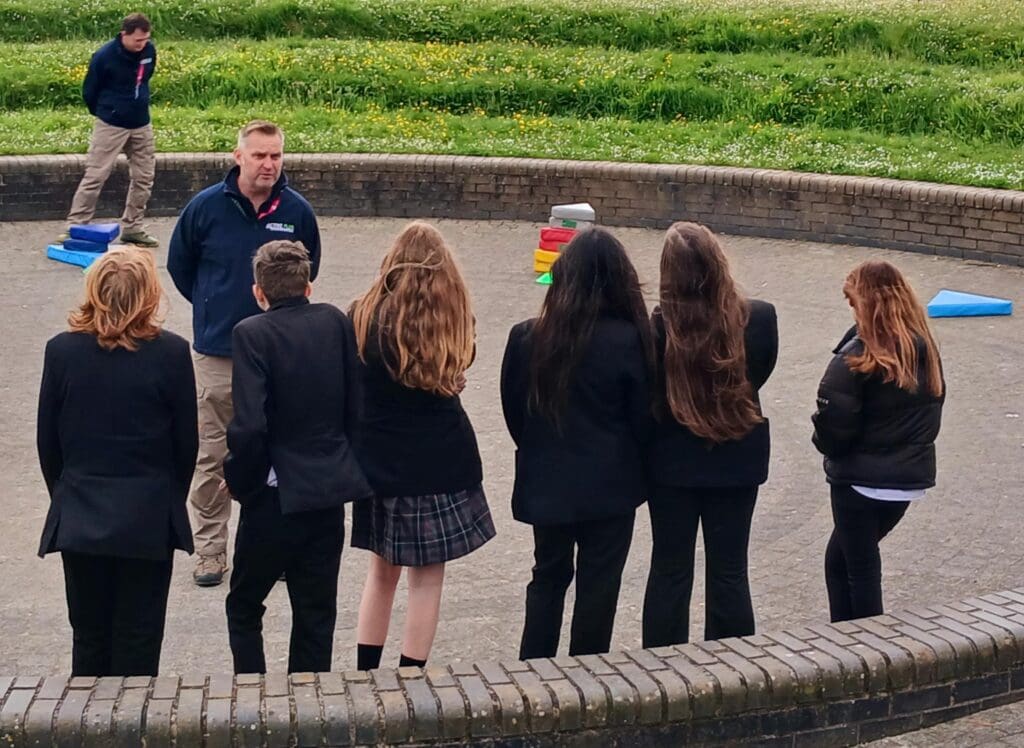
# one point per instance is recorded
(837, 421)
(514, 370)
(353, 382)
(185, 426)
(248, 461)
(311, 241)
(636, 381)
(51, 459)
(768, 346)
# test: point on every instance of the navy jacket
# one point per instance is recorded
(678, 457)
(117, 438)
(116, 87)
(593, 468)
(870, 431)
(295, 386)
(210, 256)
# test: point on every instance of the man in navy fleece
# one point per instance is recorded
(210, 262)
(116, 90)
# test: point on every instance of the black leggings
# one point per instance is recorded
(725, 515)
(853, 565)
(600, 548)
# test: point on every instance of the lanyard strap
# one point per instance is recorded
(270, 209)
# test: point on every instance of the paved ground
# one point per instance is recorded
(993, 728)
(964, 538)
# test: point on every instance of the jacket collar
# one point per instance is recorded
(231, 188)
(288, 302)
(848, 338)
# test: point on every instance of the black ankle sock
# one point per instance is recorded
(368, 656)
(410, 662)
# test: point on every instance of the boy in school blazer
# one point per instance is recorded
(290, 463)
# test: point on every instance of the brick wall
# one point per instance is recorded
(823, 685)
(970, 223)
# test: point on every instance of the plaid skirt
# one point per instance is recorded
(422, 530)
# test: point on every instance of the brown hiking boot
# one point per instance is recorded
(140, 239)
(210, 570)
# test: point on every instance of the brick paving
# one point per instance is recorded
(1002, 727)
(964, 538)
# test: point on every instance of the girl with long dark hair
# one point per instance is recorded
(715, 349)
(879, 412)
(576, 398)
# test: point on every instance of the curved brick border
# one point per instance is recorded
(966, 222)
(822, 685)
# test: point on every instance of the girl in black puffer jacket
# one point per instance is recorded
(879, 411)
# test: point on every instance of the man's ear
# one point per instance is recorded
(237, 153)
(261, 298)
(309, 290)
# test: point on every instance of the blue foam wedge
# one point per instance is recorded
(948, 303)
(101, 233)
(71, 257)
(81, 245)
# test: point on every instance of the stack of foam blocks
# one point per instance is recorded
(563, 225)
(84, 244)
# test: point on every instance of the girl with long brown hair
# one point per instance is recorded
(415, 333)
(575, 391)
(879, 412)
(715, 349)
(117, 436)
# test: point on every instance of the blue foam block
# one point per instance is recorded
(958, 304)
(102, 233)
(70, 256)
(81, 245)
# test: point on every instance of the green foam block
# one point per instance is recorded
(544, 279)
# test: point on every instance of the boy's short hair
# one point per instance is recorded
(281, 269)
(135, 22)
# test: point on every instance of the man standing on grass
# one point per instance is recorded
(210, 262)
(116, 90)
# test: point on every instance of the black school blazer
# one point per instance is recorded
(593, 468)
(680, 458)
(297, 401)
(117, 439)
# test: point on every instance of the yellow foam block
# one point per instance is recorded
(543, 259)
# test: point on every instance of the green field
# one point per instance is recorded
(921, 89)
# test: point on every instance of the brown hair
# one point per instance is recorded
(260, 126)
(122, 300)
(135, 22)
(420, 308)
(705, 367)
(281, 269)
(892, 325)
(592, 277)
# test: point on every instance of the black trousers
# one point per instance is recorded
(853, 565)
(600, 549)
(306, 547)
(724, 515)
(117, 608)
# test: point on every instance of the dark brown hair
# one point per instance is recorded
(135, 22)
(705, 369)
(281, 269)
(892, 325)
(592, 276)
(122, 300)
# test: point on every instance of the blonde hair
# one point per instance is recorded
(419, 306)
(122, 300)
(261, 126)
(891, 323)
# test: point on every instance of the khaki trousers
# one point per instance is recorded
(211, 505)
(106, 144)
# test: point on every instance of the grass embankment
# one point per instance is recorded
(908, 88)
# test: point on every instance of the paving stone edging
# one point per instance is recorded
(964, 222)
(821, 685)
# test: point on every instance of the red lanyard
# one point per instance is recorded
(269, 210)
